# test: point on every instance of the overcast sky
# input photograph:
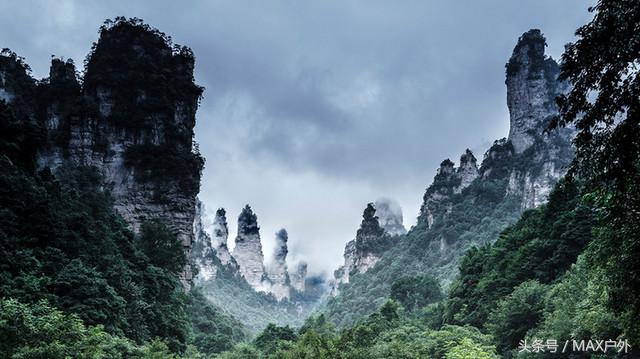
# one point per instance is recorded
(313, 109)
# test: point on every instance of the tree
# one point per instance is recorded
(270, 338)
(40, 331)
(416, 292)
(604, 106)
(468, 349)
(162, 247)
(516, 314)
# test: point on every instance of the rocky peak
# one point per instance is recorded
(531, 89)
(16, 85)
(62, 74)
(468, 170)
(280, 254)
(371, 241)
(389, 215)
(219, 235)
(298, 278)
(247, 224)
(447, 182)
(278, 275)
(446, 168)
(131, 117)
(248, 250)
(219, 228)
(202, 251)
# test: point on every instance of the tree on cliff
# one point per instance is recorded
(604, 106)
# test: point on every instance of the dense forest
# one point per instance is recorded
(77, 282)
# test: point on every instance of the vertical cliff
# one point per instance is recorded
(220, 234)
(203, 253)
(373, 238)
(277, 269)
(131, 117)
(248, 250)
(299, 277)
(531, 89)
(469, 205)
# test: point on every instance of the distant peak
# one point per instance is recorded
(248, 221)
(467, 157)
(281, 250)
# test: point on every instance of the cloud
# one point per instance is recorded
(311, 110)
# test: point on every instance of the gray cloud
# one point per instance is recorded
(314, 109)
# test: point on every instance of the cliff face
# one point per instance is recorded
(469, 205)
(209, 251)
(531, 89)
(248, 250)
(220, 234)
(389, 215)
(246, 266)
(299, 277)
(373, 238)
(447, 182)
(530, 161)
(277, 269)
(202, 250)
(132, 119)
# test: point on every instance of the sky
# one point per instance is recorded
(313, 109)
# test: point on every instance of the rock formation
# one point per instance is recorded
(209, 251)
(530, 159)
(447, 182)
(299, 277)
(467, 172)
(532, 87)
(202, 251)
(219, 235)
(371, 241)
(278, 274)
(531, 90)
(132, 118)
(389, 215)
(248, 250)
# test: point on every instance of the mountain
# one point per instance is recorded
(248, 250)
(254, 291)
(131, 118)
(467, 205)
(381, 223)
(99, 176)
(277, 270)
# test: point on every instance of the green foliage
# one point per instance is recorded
(601, 66)
(241, 351)
(576, 308)
(151, 75)
(212, 331)
(41, 331)
(20, 138)
(268, 340)
(515, 314)
(162, 247)
(542, 245)
(164, 164)
(468, 349)
(255, 310)
(62, 241)
(370, 237)
(473, 217)
(416, 292)
(84, 291)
